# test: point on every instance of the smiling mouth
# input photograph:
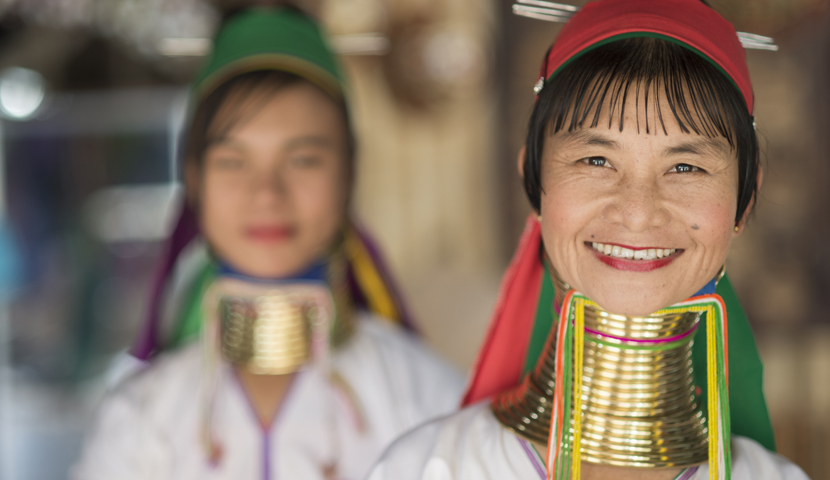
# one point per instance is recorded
(625, 253)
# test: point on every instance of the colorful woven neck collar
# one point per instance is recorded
(689, 23)
(565, 441)
(315, 273)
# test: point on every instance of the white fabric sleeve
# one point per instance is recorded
(122, 443)
(751, 461)
(411, 457)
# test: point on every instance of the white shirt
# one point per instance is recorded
(472, 445)
(150, 426)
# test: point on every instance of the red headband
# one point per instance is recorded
(689, 21)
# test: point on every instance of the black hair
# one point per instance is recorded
(241, 96)
(702, 100)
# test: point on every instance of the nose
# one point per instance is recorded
(268, 187)
(638, 204)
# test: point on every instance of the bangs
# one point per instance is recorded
(657, 73)
(241, 99)
(237, 101)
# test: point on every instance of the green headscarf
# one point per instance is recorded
(264, 38)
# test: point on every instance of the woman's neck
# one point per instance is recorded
(638, 405)
(316, 272)
(266, 375)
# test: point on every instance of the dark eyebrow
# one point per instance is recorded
(700, 146)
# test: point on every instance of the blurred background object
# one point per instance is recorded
(93, 97)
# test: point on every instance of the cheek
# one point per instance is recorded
(711, 221)
(219, 203)
(564, 214)
(714, 212)
(321, 200)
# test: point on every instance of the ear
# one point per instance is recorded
(520, 161)
(759, 180)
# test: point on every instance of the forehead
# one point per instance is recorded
(277, 111)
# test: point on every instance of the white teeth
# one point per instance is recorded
(622, 252)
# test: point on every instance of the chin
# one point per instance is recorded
(629, 300)
(626, 307)
(263, 267)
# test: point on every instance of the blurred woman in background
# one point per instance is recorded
(304, 369)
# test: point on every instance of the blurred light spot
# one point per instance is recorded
(133, 213)
(453, 57)
(357, 44)
(184, 47)
(21, 92)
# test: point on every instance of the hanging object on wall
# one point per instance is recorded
(430, 62)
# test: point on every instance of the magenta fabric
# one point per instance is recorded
(186, 229)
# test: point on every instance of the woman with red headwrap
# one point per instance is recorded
(641, 161)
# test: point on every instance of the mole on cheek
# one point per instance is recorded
(695, 227)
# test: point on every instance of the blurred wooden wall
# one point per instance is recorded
(426, 117)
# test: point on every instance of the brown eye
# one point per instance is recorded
(306, 161)
(596, 161)
(685, 168)
(228, 163)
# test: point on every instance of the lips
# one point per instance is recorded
(270, 233)
(632, 253)
(633, 259)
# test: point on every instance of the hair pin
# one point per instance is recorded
(560, 13)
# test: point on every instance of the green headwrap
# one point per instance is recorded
(270, 39)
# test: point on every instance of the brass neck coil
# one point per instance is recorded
(270, 332)
(639, 405)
